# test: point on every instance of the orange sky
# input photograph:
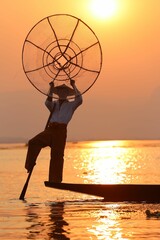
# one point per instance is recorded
(123, 103)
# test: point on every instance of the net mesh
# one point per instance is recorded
(59, 48)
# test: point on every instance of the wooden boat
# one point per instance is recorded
(114, 192)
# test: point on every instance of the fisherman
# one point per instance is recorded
(55, 133)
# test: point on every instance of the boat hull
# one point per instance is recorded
(114, 192)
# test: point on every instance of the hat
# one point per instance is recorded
(70, 91)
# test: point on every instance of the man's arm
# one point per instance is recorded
(77, 92)
(49, 103)
(78, 96)
(50, 93)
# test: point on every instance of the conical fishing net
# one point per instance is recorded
(59, 48)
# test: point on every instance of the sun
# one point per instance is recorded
(103, 8)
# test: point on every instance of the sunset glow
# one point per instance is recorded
(117, 106)
(103, 8)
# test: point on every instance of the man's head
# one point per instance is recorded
(63, 91)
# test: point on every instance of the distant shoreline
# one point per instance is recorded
(8, 140)
(93, 144)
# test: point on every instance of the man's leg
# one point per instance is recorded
(57, 154)
(35, 145)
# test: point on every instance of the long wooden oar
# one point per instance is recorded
(25, 186)
(22, 195)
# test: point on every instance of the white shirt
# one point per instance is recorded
(63, 113)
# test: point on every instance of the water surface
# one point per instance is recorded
(54, 214)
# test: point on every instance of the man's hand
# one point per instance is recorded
(51, 83)
(72, 82)
(51, 87)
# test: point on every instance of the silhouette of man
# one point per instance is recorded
(55, 133)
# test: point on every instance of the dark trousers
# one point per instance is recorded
(55, 137)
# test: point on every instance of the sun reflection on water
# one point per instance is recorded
(109, 222)
(109, 162)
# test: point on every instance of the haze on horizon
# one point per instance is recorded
(124, 101)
